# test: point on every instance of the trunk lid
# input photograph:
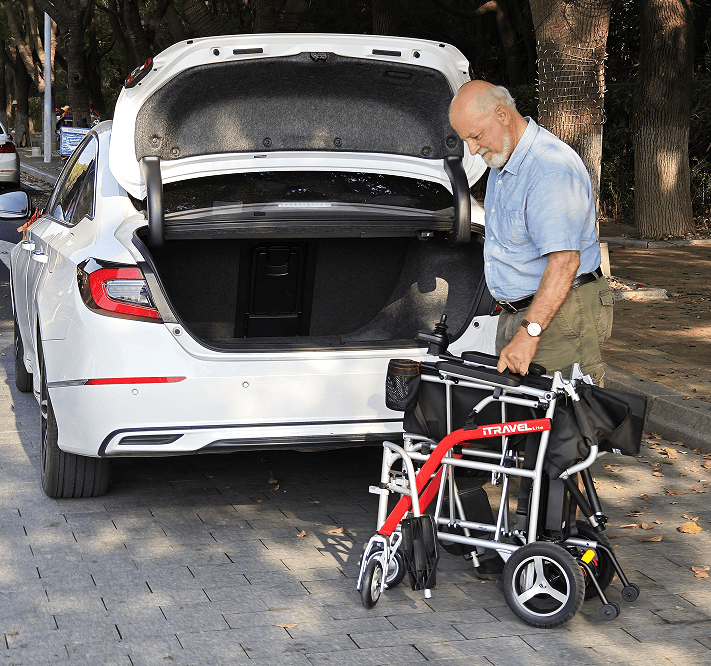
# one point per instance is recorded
(233, 104)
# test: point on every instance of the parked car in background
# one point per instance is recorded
(231, 262)
(9, 159)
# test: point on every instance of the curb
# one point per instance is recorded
(671, 414)
(39, 174)
(651, 244)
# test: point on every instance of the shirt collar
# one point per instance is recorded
(522, 147)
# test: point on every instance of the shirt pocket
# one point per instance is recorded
(512, 228)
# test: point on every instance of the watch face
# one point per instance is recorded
(534, 330)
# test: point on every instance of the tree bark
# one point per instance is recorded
(384, 17)
(22, 95)
(266, 15)
(661, 118)
(200, 19)
(3, 85)
(571, 39)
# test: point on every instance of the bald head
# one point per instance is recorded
(480, 97)
(485, 117)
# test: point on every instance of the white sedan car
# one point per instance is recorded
(9, 159)
(231, 262)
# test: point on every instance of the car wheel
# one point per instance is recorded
(66, 474)
(23, 379)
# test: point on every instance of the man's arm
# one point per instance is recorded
(552, 291)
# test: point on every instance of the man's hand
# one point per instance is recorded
(517, 355)
(553, 290)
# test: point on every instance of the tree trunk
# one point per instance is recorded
(22, 95)
(571, 39)
(77, 89)
(200, 19)
(3, 85)
(266, 15)
(385, 17)
(661, 117)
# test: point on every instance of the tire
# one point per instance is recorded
(601, 566)
(555, 593)
(370, 592)
(66, 475)
(23, 379)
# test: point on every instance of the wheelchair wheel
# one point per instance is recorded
(601, 566)
(396, 569)
(543, 584)
(370, 592)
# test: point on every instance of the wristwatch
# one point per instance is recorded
(533, 329)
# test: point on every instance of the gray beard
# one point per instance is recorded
(497, 160)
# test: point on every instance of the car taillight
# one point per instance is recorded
(138, 74)
(8, 147)
(118, 292)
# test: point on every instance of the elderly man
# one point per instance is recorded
(542, 258)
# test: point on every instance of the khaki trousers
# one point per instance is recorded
(576, 334)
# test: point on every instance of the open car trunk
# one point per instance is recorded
(320, 292)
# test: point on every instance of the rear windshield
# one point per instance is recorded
(269, 187)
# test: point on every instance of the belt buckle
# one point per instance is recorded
(511, 309)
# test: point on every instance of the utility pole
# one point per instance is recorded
(48, 123)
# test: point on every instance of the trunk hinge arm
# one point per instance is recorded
(150, 168)
(462, 231)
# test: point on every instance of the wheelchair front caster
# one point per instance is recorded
(370, 592)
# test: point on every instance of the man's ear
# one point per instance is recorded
(502, 114)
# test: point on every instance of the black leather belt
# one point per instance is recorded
(516, 306)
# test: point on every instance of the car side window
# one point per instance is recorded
(73, 198)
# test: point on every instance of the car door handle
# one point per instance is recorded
(28, 245)
(40, 257)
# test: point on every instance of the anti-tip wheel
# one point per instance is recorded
(609, 611)
(630, 592)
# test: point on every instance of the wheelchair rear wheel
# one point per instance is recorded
(543, 584)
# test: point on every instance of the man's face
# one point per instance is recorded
(485, 135)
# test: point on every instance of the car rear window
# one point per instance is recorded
(269, 187)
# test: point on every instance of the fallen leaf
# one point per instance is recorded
(657, 522)
(635, 513)
(617, 486)
(273, 488)
(286, 625)
(655, 435)
(657, 474)
(700, 572)
(272, 479)
(645, 497)
(254, 499)
(302, 533)
(644, 526)
(696, 489)
(335, 530)
(679, 607)
(675, 492)
(688, 516)
(694, 469)
(707, 463)
(677, 444)
(656, 537)
(12, 633)
(669, 452)
(689, 528)
(624, 527)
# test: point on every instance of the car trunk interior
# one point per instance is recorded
(334, 292)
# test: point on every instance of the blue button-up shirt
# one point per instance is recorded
(540, 201)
